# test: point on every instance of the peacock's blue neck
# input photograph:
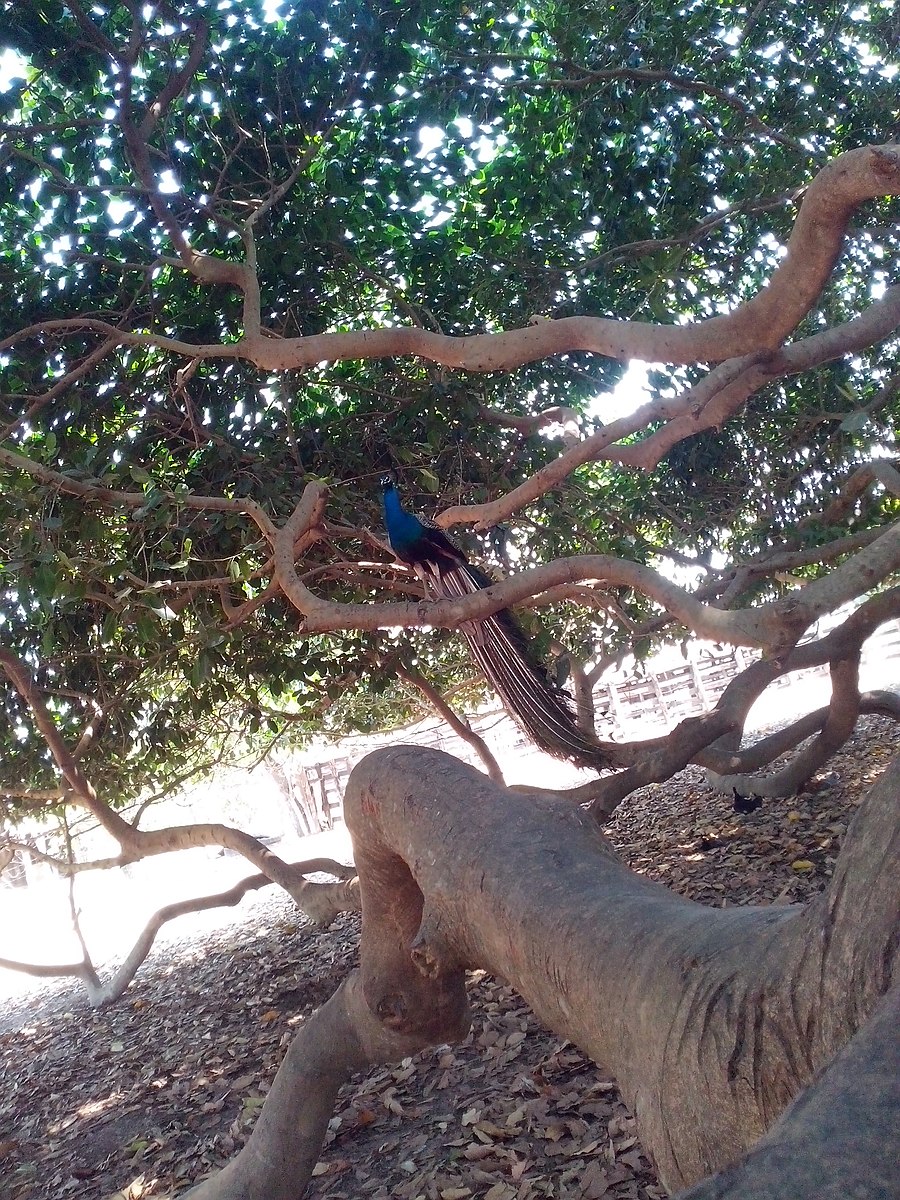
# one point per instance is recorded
(403, 528)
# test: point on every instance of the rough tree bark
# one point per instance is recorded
(713, 1020)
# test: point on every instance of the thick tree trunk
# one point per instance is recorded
(838, 1140)
(713, 1020)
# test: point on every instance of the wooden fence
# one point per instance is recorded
(652, 700)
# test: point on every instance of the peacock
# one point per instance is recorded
(498, 643)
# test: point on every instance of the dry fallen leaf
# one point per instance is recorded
(594, 1182)
(500, 1191)
(194, 1038)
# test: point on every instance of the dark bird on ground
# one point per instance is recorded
(745, 804)
(497, 643)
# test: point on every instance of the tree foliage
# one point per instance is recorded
(178, 177)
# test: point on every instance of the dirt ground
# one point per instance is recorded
(143, 1098)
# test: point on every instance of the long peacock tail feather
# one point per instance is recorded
(500, 648)
(497, 643)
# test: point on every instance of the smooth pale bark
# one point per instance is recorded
(712, 1020)
(764, 751)
(762, 322)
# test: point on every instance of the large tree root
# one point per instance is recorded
(712, 1020)
(341, 1037)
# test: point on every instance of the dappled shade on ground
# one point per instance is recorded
(165, 1086)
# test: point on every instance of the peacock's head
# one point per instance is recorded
(387, 483)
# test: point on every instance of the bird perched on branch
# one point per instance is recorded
(497, 643)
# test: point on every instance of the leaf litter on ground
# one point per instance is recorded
(144, 1098)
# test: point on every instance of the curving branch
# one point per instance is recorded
(100, 993)
(321, 902)
(79, 970)
(82, 789)
(710, 740)
(677, 1000)
(206, 268)
(878, 471)
(757, 325)
(65, 867)
(840, 648)
(458, 724)
(707, 225)
(37, 403)
(95, 36)
(764, 751)
(576, 77)
(774, 627)
(97, 490)
(726, 389)
(727, 587)
(833, 725)
(840, 722)
(707, 405)
(529, 423)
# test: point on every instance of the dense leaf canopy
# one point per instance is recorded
(463, 169)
